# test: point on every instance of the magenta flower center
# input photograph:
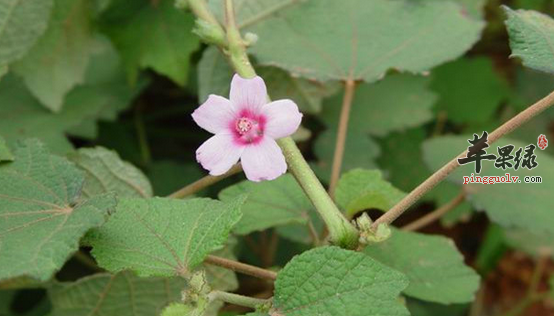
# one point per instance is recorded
(244, 125)
(248, 128)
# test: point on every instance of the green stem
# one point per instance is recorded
(341, 232)
(237, 299)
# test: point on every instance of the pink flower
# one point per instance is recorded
(245, 128)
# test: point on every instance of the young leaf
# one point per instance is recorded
(214, 75)
(433, 265)
(21, 24)
(531, 36)
(338, 282)
(361, 189)
(152, 34)
(179, 309)
(59, 59)
(42, 215)
(505, 204)
(114, 295)
(400, 36)
(469, 79)
(106, 172)
(396, 103)
(161, 236)
(5, 152)
(269, 204)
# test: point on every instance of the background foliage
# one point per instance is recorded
(95, 132)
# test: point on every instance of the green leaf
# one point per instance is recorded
(103, 96)
(332, 281)
(531, 37)
(433, 265)
(58, 61)
(106, 172)
(5, 152)
(293, 37)
(152, 35)
(42, 214)
(269, 204)
(503, 203)
(361, 189)
(469, 79)
(423, 308)
(113, 295)
(215, 74)
(360, 151)
(105, 92)
(402, 159)
(393, 104)
(161, 236)
(534, 243)
(21, 24)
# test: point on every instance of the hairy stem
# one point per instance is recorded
(241, 267)
(341, 232)
(443, 172)
(435, 215)
(203, 183)
(237, 299)
(350, 86)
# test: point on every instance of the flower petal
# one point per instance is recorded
(219, 153)
(263, 161)
(215, 114)
(249, 94)
(283, 118)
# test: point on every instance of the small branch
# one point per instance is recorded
(435, 215)
(349, 88)
(443, 172)
(477, 305)
(237, 299)
(203, 183)
(271, 249)
(540, 267)
(241, 267)
(313, 234)
(441, 122)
